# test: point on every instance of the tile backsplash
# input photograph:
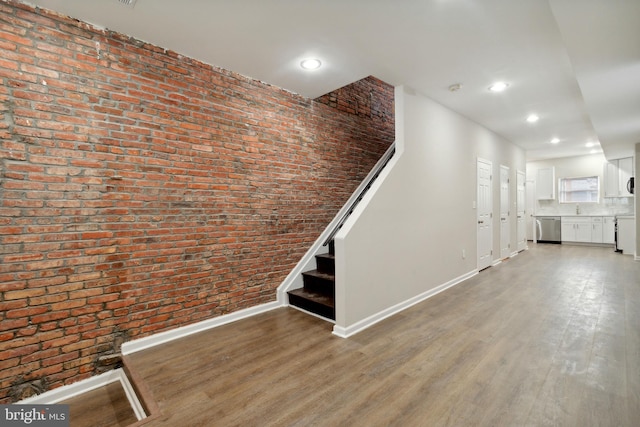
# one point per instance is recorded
(609, 206)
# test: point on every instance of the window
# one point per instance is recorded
(580, 190)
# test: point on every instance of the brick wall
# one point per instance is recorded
(141, 190)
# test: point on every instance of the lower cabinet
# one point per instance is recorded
(608, 229)
(576, 229)
(586, 229)
(596, 229)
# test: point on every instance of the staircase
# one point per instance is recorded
(318, 292)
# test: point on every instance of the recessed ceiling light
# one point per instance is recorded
(533, 118)
(555, 140)
(589, 144)
(498, 86)
(455, 87)
(311, 64)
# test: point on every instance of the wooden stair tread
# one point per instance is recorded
(313, 296)
(320, 274)
(317, 294)
(313, 302)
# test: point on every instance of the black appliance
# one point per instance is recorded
(631, 185)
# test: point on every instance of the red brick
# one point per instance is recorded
(19, 351)
(24, 293)
(15, 38)
(9, 285)
(7, 325)
(59, 359)
(149, 216)
(22, 258)
(50, 316)
(25, 312)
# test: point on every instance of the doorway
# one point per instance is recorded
(521, 210)
(485, 214)
(505, 223)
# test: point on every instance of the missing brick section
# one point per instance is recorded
(24, 390)
(110, 358)
(109, 362)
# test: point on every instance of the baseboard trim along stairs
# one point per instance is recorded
(363, 324)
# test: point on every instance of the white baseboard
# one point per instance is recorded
(164, 337)
(311, 314)
(363, 324)
(72, 390)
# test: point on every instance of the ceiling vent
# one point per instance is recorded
(129, 3)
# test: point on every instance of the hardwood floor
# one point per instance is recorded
(106, 406)
(548, 338)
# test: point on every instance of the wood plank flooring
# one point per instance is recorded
(548, 338)
(106, 406)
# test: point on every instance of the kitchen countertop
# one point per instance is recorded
(586, 215)
(577, 216)
(573, 215)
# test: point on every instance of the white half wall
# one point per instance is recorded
(416, 230)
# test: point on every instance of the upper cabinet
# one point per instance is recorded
(616, 176)
(625, 167)
(545, 184)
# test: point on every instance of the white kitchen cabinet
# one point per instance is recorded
(576, 229)
(583, 233)
(608, 229)
(626, 235)
(596, 229)
(588, 229)
(611, 187)
(545, 184)
(616, 175)
(568, 231)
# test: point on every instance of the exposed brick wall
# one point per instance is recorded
(141, 190)
(370, 99)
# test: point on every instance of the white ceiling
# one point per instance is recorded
(576, 63)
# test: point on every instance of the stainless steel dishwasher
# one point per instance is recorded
(548, 229)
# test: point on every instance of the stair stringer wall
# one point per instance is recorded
(415, 233)
(308, 261)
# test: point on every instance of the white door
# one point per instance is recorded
(485, 215)
(530, 197)
(505, 223)
(521, 203)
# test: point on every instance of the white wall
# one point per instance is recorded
(572, 167)
(407, 236)
(637, 201)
